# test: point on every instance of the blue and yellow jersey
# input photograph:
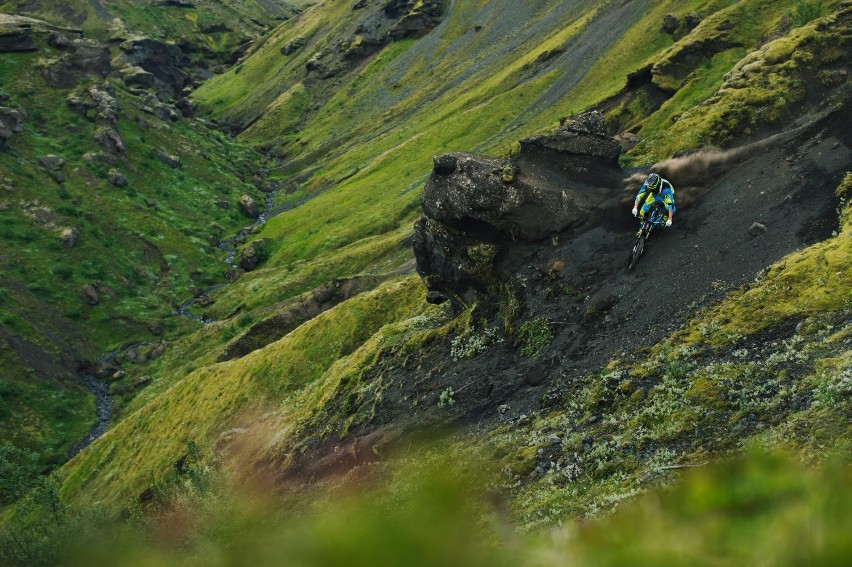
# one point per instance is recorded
(646, 197)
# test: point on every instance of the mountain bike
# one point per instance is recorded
(655, 217)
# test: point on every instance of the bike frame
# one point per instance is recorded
(652, 219)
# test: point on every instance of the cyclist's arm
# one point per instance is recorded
(641, 192)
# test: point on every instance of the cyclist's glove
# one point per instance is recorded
(668, 222)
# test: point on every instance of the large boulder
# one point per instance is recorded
(83, 58)
(68, 236)
(254, 253)
(474, 207)
(90, 295)
(54, 164)
(116, 178)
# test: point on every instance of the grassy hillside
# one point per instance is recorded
(143, 247)
(201, 25)
(362, 227)
(362, 153)
(351, 152)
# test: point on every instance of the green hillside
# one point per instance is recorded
(225, 247)
(142, 246)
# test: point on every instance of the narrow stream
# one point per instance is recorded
(103, 401)
(103, 410)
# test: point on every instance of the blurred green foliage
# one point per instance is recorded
(760, 509)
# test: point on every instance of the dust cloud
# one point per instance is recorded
(695, 174)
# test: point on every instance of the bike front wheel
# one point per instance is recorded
(638, 248)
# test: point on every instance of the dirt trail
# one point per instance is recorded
(787, 185)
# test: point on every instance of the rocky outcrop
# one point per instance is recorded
(164, 61)
(248, 207)
(68, 236)
(134, 76)
(173, 162)
(99, 105)
(416, 17)
(703, 42)
(474, 206)
(54, 164)
(584, 136)
(11, 123)
(292, 46)
(90, 295)
(16, 37)
(116, 178)
(82, 58)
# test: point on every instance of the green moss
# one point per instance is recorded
(762, 89)
(212, 398)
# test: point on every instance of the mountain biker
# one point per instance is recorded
(655, 190)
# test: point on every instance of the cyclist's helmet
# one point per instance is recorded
(653, 182)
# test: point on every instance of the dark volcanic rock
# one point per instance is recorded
(253, 254)
(692, 21)
(165, 61)
(416, 17)
(110, 140)
(172, 161)
(248, 207)
(137, 76)
(90, 295)
(584, 136)
(11, 122)
(473, 206)
(83, 58)
(756, 229)
(16, 37)
(292, 46)
(58, 41)
(54, 165)
(474, 198)
(670, 23)
(116, 178)
(186, 107)
(68, 237)
(52, 162)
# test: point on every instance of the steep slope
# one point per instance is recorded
(431, 370)
(207, 29)
(356, 159)
(113, 204)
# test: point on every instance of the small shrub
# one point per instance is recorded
(19, 472)
(63, 272)
(510, 307)
(805, 11)
(535, 336)
(447, 398)
(474, 344)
